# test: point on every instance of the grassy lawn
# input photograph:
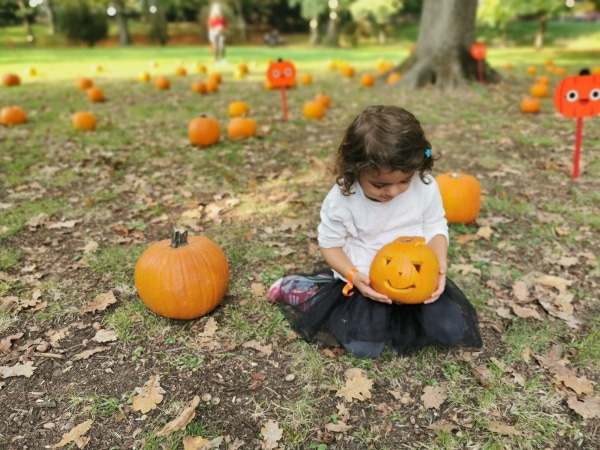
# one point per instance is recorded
(77, 209)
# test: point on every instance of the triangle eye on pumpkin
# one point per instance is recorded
(417, 267)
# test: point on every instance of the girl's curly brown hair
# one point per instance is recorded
(382, 138)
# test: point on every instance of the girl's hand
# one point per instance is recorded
(363, 284)
(439, 290)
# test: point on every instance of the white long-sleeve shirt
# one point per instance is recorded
(361, 226)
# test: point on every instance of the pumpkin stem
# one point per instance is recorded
(179, 237)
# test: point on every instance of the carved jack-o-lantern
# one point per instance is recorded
(578, 96)
(405, 270)
(281, 74)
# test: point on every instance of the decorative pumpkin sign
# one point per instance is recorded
(204, 131)
(406, 270)
(461, 196)
(478, 51)
(579, 97)
(182, 278)
(282, 74)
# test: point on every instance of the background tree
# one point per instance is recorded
(377, 10)
(310, 10)
(155, 13)
(27, 14)
(441, 56)
(73, 14)
(121, 18)
(498, 13)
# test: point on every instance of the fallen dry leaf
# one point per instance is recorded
(434, 396)
(271, 434)
(181, 421)
(76, 435)
(339, 427)
(18, 370)
(266, 349)
(149, 396)
(358, 385)
(6, 343)
(258, 289)
(105, 336)
(503, 428)
(588, 407)
(87, 353)
(100, 303)
(580, 385)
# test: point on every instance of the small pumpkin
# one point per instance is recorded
(238, 108)
(241, 128)
(180, 71)
(95, 94)
(578, 96)
(313, 110)
(461, 196)
(212, 84)
(347, 71)
(204, 131)
(367, 80)
(84, 120)
(182, 278)
(200, 68)
(30, 71)
(144, 77)
(323, 99)
(530, 105)
(539, 90)
(306, 78)
(11, 79)
(531, 70)
(393, 78)
(216, 77)
(199, 87)
(12, 115)
(84, 83)
(406, 270)
(162, 83)
(243, 68)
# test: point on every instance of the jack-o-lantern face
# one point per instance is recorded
(478, 51)
(282, 74)
(578, 96)
(405, 270)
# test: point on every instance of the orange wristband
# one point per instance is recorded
(349, 285)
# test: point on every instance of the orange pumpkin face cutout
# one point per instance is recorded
(406, 270)
(478, 51)
(282, 74)
(578, 96)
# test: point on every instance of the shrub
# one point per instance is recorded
(81, 22)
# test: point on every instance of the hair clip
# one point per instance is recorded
(428, 153)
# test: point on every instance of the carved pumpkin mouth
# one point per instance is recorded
(405, 289)
(584, 101)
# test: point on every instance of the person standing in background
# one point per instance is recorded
(217, 29)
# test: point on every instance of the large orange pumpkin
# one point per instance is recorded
(182, 278)
(84, 120)
(204, 131)
(461, 196)
(406, 270)
(12, 115)
(578, 96)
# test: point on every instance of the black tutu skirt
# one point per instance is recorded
(363, 326)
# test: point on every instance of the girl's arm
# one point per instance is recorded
(439, 245)
(337, 259)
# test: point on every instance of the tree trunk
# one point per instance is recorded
(243, 29)
(51, 17)
(539, 36)
(314, 31)
(26, 21)
(124, 36)
(332, 34)
(441, 56)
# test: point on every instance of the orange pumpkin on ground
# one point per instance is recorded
(182, 278)
(323, 99)
(313, 110)
(84, 120)
(12, 115)
(162, 83)
(212, 84)
(347, 71)
(95, 95)
(238, 108)
(539, 90)
(306, 78)
(180, 71)
(199, 87)
(461, 196)
(241, 128)
(367, 80)
(393, 78)
(85, 83)
(530, 105)
(204, 131)
(11, 79)
(406, 270)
